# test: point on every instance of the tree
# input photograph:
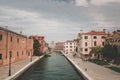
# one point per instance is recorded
(111, 54)
(96, 51)
(36, 47)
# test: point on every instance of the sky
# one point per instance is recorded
(59, 20)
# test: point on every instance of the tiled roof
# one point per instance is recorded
(95, 33)
(70, 41)
(7, 30)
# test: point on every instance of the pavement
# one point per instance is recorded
(15, 67)
(95, 71)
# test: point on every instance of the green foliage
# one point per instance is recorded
(36, 44)
(117, 69)
(96, 51)
(110, 53)
(36, 47)
(99, 62)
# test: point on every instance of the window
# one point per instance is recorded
(94, 37)
(17, 40)
(103, 37)
(28, 53)
(70, 49)
(70, 43)
(66, 46)
(0, 56)
(86, 49)
(85, 37)
(85, 43)
(70, 46)
(11, 38)
(0, 36)
(10, 54)
(103, 43)
(95, 43)
(22, 53)
(17, 53)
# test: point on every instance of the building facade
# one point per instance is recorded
(14, 45)
(70, 46)
(59, 46)
(90, 39)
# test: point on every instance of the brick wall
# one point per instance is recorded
(20, 46)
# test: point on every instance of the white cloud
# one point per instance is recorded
(93, 2)
(58, 20)
(81, 3)
(103, 2)
(26, 19)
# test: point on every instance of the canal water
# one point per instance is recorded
(55, 67)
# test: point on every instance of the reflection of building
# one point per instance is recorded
(90, 39)
(41, 41)
(114, 39)
(19, 45)
(59, 46)
(70, 46)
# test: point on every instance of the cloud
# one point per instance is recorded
(81, 3)
(93, 2)
(26, 19)
(59, 20)
(32, 23)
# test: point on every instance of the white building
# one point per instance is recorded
(88, 40)
(70, 46)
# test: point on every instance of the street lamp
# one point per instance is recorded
(31, 56)
(10, 55)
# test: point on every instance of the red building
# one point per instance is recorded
(13, 44)
(41, 41)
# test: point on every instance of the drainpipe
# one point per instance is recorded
(6, 41)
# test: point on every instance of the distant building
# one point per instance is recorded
(59, 46)
(70, 46)
(52, 45)
(114, 39)
(14, 44)
(41, 41)
(90, 39)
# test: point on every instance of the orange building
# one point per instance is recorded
(41, 41)
(14, 44)
(59, 46)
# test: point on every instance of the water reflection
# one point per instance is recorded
(55, 67)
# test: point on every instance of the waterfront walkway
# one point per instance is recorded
(96, 72)
(15, 67)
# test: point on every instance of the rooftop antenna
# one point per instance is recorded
(21, 32)
(6, 27)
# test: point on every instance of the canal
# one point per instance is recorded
(55, 67)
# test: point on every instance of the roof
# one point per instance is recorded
(95, 33)
(70, 41)
(4, 29)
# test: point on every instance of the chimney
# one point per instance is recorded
(104, 30)
(81, 31)
(20, 32)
